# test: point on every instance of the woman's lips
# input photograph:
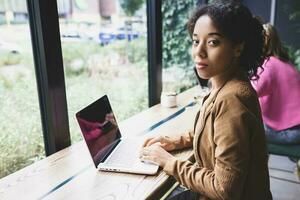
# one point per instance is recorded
(200, 65)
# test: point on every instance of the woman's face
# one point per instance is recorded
(212, 53)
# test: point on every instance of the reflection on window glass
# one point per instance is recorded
(21, 141)
(177, 64)
(104, 45)
(287, 22)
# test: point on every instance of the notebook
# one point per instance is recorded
(108, 149)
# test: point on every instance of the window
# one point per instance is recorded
(287, 22)
(104, 44)
(178, 72)
(21, 138)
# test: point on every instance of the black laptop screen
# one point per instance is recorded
(99, 128)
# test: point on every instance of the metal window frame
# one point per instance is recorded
(46, 45)
(43, 16)
(273, 12)
(154, 44)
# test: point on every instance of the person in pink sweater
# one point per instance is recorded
(278, 88)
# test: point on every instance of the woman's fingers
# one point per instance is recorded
(149, 150)
(167, 143)
(163, 141)
(145, 144)
(152, 140)
(148, 153)
(145, 155)
(156, 154)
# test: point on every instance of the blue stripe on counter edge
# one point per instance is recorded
(168, 118)
(145, 131)
(64, 182)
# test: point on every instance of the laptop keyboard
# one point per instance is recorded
(126, 154)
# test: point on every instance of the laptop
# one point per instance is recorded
(108, 149)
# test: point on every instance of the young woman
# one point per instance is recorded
(278, 88)
(228, 140)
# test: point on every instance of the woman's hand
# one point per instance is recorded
(164, 141)
(155, 153)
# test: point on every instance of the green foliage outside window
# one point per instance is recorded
(176, 40)
(86, 65)
(292, 9)
(131, 6)
(294, 56)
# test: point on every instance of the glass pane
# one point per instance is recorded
(178, 72)
(21, 138)
(287, 22)
(104, 46)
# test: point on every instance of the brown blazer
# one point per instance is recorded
(229, 147)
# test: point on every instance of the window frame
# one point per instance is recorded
(47, 53)
(154, 47)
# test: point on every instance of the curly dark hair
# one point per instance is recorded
(236, 23)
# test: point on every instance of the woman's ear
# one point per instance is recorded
(239, 49)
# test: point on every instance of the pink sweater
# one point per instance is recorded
(278, 89)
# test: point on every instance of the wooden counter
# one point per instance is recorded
(70, 173)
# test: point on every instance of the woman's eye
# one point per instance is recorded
(213, 42)
(195, 42)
